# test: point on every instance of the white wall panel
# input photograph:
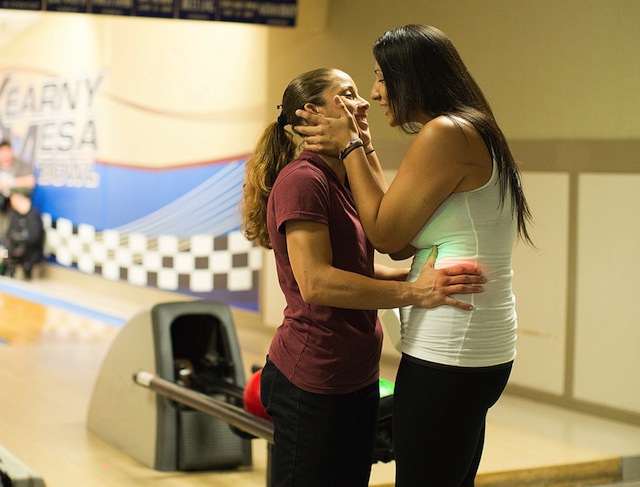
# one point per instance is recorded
(607, 321)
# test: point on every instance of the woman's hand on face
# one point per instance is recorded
(328, 135)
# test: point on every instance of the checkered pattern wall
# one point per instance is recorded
(201, 263)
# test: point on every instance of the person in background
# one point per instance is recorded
(14, 175)
(457, 188)
(17, 182)
(24, 239)
(320, 383)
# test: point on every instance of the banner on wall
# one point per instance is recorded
(175, 228)
(266, 12)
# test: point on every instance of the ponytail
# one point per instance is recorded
(274, 150)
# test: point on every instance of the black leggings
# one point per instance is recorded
(439, 416)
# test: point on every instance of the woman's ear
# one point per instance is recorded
(311, 108)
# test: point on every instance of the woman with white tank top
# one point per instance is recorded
(457, 192)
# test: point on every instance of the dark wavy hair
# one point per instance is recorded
(424, 74)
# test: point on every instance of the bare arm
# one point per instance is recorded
(428, 174)
(390, 273)
(320, 283)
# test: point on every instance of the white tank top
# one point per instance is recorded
(467, 227)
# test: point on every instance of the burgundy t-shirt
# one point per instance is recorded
(322, 349)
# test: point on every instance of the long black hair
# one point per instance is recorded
(424, 74)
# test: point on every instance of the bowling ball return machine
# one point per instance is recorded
(154, 429)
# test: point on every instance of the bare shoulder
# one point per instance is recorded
(439, 145)
(450, 129)
(458, 146)
(455, 136)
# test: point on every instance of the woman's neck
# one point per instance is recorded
(336, 164)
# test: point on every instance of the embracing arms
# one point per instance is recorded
(321, 283)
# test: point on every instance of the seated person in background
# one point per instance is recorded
(14, 173)
(24, 239)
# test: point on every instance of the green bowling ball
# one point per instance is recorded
(386, 388)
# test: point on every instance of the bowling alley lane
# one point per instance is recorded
(26, 321)
(22, 321)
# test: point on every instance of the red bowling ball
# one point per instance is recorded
(251, 397)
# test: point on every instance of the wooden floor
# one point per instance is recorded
(53, 349)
